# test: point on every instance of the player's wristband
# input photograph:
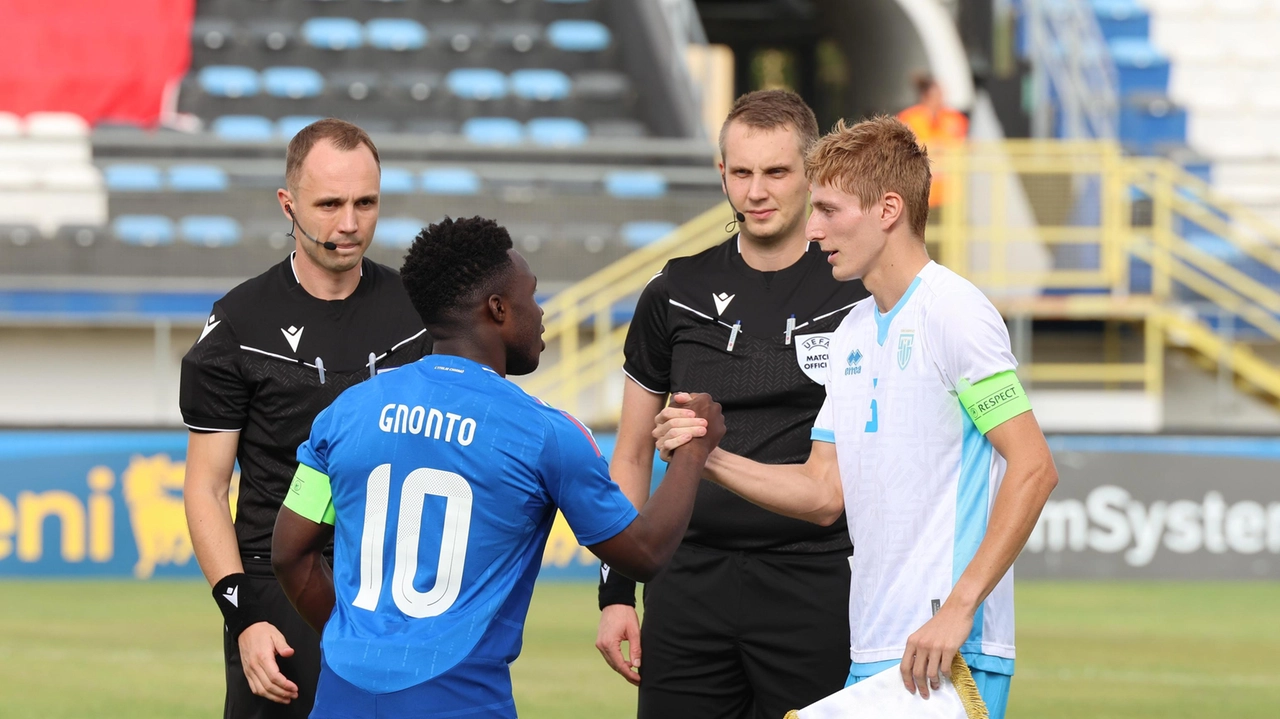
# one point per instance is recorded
(240, 608)
(615, 588)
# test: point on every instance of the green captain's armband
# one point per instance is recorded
(309, 495)
(993, 401)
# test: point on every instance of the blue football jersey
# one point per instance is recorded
(444, 480)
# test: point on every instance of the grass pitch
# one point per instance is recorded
(75, 649)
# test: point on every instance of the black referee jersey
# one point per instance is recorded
(710, 323)
(271, 357)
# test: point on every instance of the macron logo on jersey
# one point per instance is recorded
(722, 300)
(208, 327)
(293, 336)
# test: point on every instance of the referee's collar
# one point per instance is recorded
(294, 267)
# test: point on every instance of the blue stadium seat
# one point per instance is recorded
(292, 82)
(395, 34)
(397, 181)
(639, 234)
(143, 230)
(579, 35)
(1121, 18)
(1140, 65)
(289, 125)
(636, 185)
(397, 231)
(333, 33)
(243, 128)
(557, 131)
(450, 181)
(197, 178)
(543, 85)
(209, 230)
(493, 131)
(133, 178)
(477, 83)
(229, 81)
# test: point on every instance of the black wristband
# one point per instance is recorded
(615, 588)
(240, 609)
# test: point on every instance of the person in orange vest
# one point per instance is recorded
(938, 127)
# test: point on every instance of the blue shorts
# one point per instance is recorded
(993, 687)
(467, 690)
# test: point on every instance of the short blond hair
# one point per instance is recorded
(871, 158)
(344, 136)
(769, 110)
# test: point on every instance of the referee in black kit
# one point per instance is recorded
(275, 352)
(750, 618)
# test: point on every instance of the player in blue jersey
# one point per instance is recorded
(438, 484)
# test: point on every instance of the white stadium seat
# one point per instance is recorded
(71, 177)
(10, 125)
(56, 124)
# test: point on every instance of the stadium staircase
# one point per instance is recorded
(1026, 218)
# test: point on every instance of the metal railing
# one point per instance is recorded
(1072, 65)
(1048, 230)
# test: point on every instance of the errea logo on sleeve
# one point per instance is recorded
(854, 362)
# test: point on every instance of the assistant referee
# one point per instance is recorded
(275, 351)
(748, 619)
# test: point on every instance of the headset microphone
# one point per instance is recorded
(737, 216)
(327, 245)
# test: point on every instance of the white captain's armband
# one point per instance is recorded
(993, 401)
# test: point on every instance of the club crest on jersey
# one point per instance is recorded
(855, 363)
(905, 341)
(812, 352)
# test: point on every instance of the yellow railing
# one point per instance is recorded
(574, 377)
(1021, 217)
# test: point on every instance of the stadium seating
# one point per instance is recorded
(493, 131)
(397, 232)
(632, 185)
(639, 234)
(243, 128)
(556, 131)
(477, 84)
(451, 181)
(144, 230)
(229, 81)
(333, 33)
(197, 178)
(133, 178)
(396, 34)
(292, 82)
(579, 35)
(209, 230)
(397, 181)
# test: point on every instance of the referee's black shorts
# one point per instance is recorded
(303, 668)
(743, 635)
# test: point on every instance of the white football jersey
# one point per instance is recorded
(919, 478)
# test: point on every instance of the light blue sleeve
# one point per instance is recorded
(576, 475)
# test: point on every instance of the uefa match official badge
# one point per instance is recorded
(905, 341)
(812, 354)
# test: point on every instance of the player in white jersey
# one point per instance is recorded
(926, 437)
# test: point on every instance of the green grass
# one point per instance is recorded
(1086, 650)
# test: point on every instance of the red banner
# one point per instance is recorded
(101, 59)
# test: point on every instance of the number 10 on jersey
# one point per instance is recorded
(453, 542)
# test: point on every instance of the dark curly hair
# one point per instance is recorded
(453, 262)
